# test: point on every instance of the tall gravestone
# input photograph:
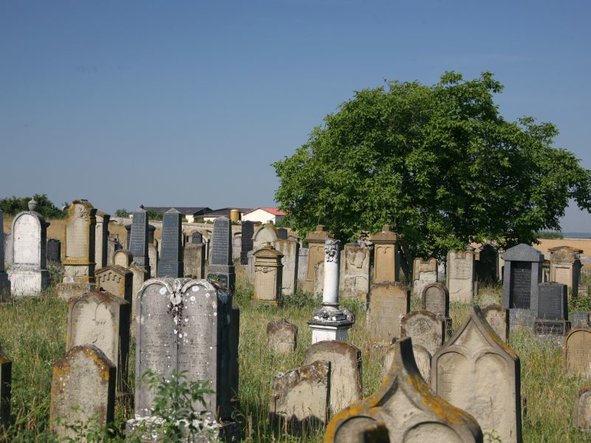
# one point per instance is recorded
(289, 248)
(194, 259)
(171, 253)
(138, 239)
(4, 282)
(186, 325)
(28, 274)
(386, 257)
(389, 302)
(79, 264)
(461, 276)
(101, 239)
(354, 279)
(221, 269)
(552, 315)
(565, 267)
(487, 262)
(476, 372)
(424, 273)
(315, 242)
(407, 409)
(267, 274)
(246, 241)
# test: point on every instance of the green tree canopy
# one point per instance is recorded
(45, 207)
(438, 163)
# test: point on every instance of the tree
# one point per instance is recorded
(438, 163)
(122, 213)
(45, 207)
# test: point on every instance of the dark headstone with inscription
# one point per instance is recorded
(138, 239)
(552, 309)
(580, 319)
(281, 233)
(522, 275)
(54, 250)
(221, 270)
(247, 243)
(196, 238)
(171, 251)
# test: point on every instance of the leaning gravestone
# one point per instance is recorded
(425, 329)
(407, 408)
(187, 325)
(345, 371)
(582, 415)
(82, 391)
(552, 318)
(281, 336)
(577, 352)
(5, 388)
(300, 397)
(388, 303)
(221, 269)
(498, 319)
(478, 373)
(171, 253)
(4, 282)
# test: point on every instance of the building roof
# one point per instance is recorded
(224, 212)
(185, 210)
(272, 211)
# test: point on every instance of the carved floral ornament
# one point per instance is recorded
(331, 250)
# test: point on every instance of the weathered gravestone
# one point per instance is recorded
(123, 258)
(54, 250)
(388, 303)
(289, 248)
(300, 397)
(171, 254)
(246, 241)
(194, 260)
(424, 273)
(487, 262)
(580, 319)
(154, 256)
(138, 239)
(565, 266)
(101, 239)
(101, 319)
(267, 274)
(552, 318)
(386, 256)
(82, 391)
(28, 274)
(345, 371)
(221, 269)
(461, 279)
(354, 278)
(422, 360)
(424, 328)
(577, 352)
(5, 388)
(4, 282)
(481, 375)
(435, 299)
(282, 336)
(315, 242)
(117, 280)
(187, 325)
(79, 264)
(407, 408)
(498, 319)
(582, 415)
(263, 234)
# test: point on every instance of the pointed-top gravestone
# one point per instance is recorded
(406, 407)
(138, 239)
(4, 282)
(477, 372)
(221, 270)
(171, 252)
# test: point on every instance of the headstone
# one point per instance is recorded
(123, 258)
(54, 251)
(221, 269)
(315, 242)
(460, 275)
(267, 274)
(79, 264)
(117, 280)
(194, 260)
(318, 280)
(236, 245)
(487, 261)
(422, 359)
(435, 299)
(565, 266)
(345, 371)
(300, 397)
(113, 245)
(386, 257)
(101, 319)
(580, 319)
(522, 275)
(302, 266)
(5, 388)
(138, 239)
(154, 257)
(246, 241)
(424, 273)
(388, 303)
(186, 325)
(82, 391)
(263, 234)
(479, 374)
(406, 407)
(196, 238)
(582, 415)
(282, 233)
(354, 279)
(28, 274)
(171, 255)
(282, 336)
(4, 282)
(577, 352)
(289, 248)
(425, 329)
(101, 239)
(8, 250)
(552, 318)
(498, 319)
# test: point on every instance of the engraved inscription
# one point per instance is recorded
(520, 286)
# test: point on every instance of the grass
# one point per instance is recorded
(33, 335)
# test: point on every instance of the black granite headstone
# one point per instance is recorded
(247, 243)
(486, 265)
(54, 248)
(281, 233)
(138, 239)
(221, 270)
(171, 252)
(553, 301)
(521, 285)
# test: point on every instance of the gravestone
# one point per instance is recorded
(5, 387)
(289, 248)
(552, 318)
(460, 275)
(425, 329)
(522, 275)
(267, 274)
(138, 239)
(79, 264)
(113, 245)
(196, 238)
(354, 279)
(315, 242)
(577, 352)
(4, 282)
(345, 371)
(435, 299)
(580, 319)
(117, 280)
(123, 258)
(171, 254)
(406, 407)
(424, 273)
(246, 241)
(582, 415)
(388, 303)
(422, 360)
(487, 262)
(282, 336)
(498, 319)
(386, 256)
(82, 391)
(154, 257)
(263, 234)
(565, 266)
(194, 260)
(318, 279)
(302, 269)
(476, 372)
(54, 251)
(300, 397)
(221, 270)
(101, 239)
(101, 319)
(28, 274)
(281, 233)
(187, 325)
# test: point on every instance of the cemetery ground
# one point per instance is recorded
(33, 336)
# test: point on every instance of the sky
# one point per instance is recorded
(188, 103)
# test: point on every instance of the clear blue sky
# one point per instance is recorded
(188, 103)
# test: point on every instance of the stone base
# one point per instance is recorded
(580, 319)
(5, 293)
(78, 273)
(148, 429)
(551, 327)
(28, 282)
(66, 291)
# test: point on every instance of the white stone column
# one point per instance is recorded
(330, 293)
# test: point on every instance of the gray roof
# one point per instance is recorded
(185, 210)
